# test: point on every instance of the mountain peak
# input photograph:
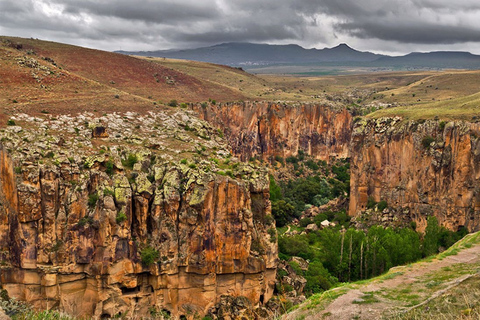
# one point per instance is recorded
(343, 46)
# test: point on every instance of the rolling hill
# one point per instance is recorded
(47, 77)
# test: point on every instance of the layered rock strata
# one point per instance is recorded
(266, 130)
(142, 222)
(421, 168)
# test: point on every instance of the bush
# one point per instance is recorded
(149, 255)
(273, 234)
(382, 205)
(108, 192)
(130, 161)
(312, 165)
(173, 103)
(109, 167)
(292, 159)
(121, 217)
(371, 203)
(441, 125)
(427, 141)
(92, 200)
(279, 159)
(10, 122)
(305, 222)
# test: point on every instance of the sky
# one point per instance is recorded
(383, 26)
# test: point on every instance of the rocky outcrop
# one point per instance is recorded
(3, 316)
(266, 130)
(420, 168)
(139, 223)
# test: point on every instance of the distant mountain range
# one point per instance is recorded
(251, 56)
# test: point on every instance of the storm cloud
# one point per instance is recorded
(389, 26)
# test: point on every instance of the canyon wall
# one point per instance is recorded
(421, 168)
(84, 230)
(265, 129)
(388, 158)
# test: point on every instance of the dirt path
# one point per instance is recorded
(372, 300)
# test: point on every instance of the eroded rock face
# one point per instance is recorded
(131, 229)
(420, 168)
(266, 130)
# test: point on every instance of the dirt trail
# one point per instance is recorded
(352, 305)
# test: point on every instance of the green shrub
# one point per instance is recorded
(10, 122)
(130, 161)
(292, 159)
(441, 125)
(173, 103)
(382, 205)
(109, 167)
(121, 217)
(85, 220)
(312, 165)
(273, 234)
(268, 219)
(371, 203)
(427, 141)
(149, 255)
(279, 159)
(108, 192)
(92, 200)
(305, 222)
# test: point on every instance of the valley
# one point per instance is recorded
(145, 186)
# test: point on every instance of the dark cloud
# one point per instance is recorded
(162, 24)
(162, 12)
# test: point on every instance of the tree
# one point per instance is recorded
(432, 237)
(283, 212)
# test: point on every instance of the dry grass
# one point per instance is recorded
(461, 302)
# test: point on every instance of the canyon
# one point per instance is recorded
(391, 159)
(113, 203)
(78, 221)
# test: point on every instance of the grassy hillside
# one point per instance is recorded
(448, 95)
(444, 286)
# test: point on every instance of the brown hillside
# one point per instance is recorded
(39, 76)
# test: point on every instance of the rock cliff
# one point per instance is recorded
(264, 129)
(420, 168)
(144, 220)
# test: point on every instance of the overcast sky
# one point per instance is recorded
(383, 26)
